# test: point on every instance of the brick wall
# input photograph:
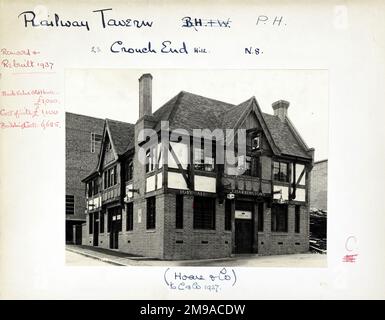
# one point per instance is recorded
(271, 243)
(318, 189)
(79, 159)
(217, 243)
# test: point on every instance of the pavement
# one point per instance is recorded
(85, 255)
(76, 259)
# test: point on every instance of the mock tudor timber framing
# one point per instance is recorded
(258, 189)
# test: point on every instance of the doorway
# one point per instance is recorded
(114, 226)
(244, 219)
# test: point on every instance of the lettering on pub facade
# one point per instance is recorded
(168, 194)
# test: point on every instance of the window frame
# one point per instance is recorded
(201, 162)
(151, 159)
(297, 219)
(279, 176)
(130, 216)
(228, 213)
(151, 213)
(261, 217)
(110, 177)
(256, 146)
(128, 170)
(91, 223)
(101, 221)
(282, 209)
(179, 202)
(199, 212)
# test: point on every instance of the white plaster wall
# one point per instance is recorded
(181, 151)
(150, 183)
(300, 194)
(205, 184)
(285, 192)
(159, 181)
(176, 181)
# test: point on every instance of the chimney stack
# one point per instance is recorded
(280, 109)
(145, 95)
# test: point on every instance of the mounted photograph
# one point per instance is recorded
(196, 167)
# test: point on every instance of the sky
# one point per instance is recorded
(114, 94)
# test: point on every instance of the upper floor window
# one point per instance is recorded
(110, 177)
(280, 171)
(248, 165)
(151, 159)
(96, 140)
(203, 161)
(256, 143)
(244, 164)
(128, 170)
(92, 188)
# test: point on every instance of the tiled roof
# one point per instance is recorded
(284, 137)
(189, 111)
(122, 135)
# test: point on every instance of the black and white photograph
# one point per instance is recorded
(203, 153)
(196, 167)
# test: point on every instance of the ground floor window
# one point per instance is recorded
(260, 217)
(297, 218)
(91, 223)
(204, 213)
(179, 211)
(102, 213)
(228, 215)
(151, 213)
(279, 218)
(130, 217)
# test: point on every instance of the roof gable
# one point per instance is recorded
(189, 111)
(284, 138)
(121, 136)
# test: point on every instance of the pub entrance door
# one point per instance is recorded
(114, 226)
(244, 219)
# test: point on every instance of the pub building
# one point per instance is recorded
(199, 209)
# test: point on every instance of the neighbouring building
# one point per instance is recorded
(197, 209)
(83, 139)
(318, 190)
